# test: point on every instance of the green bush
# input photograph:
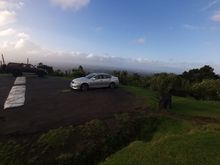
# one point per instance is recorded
(207, 90)
(65, 158)
(56, 138)
(95, 129)
(163, 83)
(87, 144)
(12, 153)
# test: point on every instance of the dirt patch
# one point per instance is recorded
(50, 103)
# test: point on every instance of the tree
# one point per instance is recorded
(198, 75)
(163, 83)
(78, 72)
(58, 72)
(49, 69)
(122, 75)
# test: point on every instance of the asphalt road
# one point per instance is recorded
(6, 82)
(50, 103)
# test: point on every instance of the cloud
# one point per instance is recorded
(139, 41)
(210, 5)
(71, 4)
(23, 49)
(10, 4)
(216, 17)
(23, 35)
(7, 11)
(7, 17)
(20, 43)
(7, 32)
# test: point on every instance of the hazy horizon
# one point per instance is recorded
(150, 36)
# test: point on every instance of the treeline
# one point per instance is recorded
(74, 73)
(202, 83)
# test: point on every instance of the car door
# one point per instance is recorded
(96, 82)
(106, 80)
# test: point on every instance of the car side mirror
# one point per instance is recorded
(93, 78)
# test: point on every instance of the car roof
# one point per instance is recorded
(102, 74)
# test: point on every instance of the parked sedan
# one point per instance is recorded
(94, 80)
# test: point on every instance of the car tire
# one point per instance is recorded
(84, 87)
(112, 85)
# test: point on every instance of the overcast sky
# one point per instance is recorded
(155, 35)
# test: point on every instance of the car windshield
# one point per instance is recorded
(91, 75)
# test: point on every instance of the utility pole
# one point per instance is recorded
(3, 60)
(27, 60)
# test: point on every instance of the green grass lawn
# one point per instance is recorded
(177, 141)
(150, 97)
(189, 106)
(187, 149)
(181, 105)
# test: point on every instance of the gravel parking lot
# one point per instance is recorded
(50, 103)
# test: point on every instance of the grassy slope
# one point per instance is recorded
(196, 108)
(187, 106)
(149, 96)
(177, 141)
(190, 149)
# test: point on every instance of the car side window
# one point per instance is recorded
(106, 76)
(98, 77)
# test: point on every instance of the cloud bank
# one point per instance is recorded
(24, 48)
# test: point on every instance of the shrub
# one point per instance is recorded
(95, 129)
(65, 159)
(207, 90)
(11, 153)
(55, 138)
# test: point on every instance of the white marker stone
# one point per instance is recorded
(20, 81)
(16, 97)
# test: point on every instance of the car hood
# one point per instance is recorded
(81, 79)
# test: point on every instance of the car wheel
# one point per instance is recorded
(112, 85)
(84, 87)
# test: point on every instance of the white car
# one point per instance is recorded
(94, 80)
